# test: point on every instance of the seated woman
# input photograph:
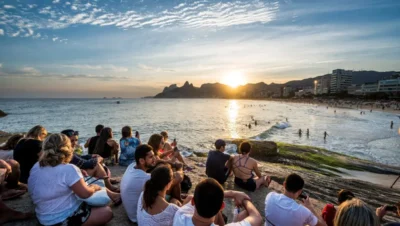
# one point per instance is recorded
(355, 212)
(106, 147)
(156, 141)
(171, 150)
(329, 211)
(128, 145)
(243, 167)
(153, 208)
(7, 150)
(26, 153)
(54, 185)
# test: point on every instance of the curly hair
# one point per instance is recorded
(56, 150)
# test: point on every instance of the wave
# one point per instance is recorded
(265, 134)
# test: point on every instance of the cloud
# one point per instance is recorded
(56, 1)
(1, 32)
(31, 6)
(73, 7)
(68, 3)
(108, 67)
(156, 69)
(9, 7)
(55, 39)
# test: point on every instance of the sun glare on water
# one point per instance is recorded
(234, 79)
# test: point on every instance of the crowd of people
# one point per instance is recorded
(69, 188)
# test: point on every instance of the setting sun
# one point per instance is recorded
(234, 79)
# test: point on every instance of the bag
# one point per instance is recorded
(99, 198)
(186, 184)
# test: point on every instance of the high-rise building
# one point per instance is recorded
(322, 84)
(340, 80)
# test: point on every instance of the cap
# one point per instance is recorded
(219, 143)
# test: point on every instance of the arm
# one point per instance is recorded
(256, 170)
(82, 190)
(87, 143)
(307, 203)
(166, 153)
(254, 217)
(83, 163)
(167, 147)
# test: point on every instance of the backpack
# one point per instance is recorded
(186, 184)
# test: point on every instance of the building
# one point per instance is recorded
(304, 92)
(354, 90)
(287, 90)
(340, 80)
(322, 84)
(389, 85)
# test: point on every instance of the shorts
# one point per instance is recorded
(79, 217)
(249, 184)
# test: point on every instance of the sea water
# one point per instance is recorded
(197, 123)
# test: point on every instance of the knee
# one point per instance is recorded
(106, 214)
(14, 164)
(178, 178)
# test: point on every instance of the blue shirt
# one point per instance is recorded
(128, 148)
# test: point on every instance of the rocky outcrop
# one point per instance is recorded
(261, 150)
(2, 114)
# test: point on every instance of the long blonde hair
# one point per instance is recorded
(35, 132)
(355, 213)
(56, 150)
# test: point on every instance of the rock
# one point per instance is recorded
(261, 150)
(2, 114)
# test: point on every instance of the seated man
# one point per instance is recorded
(134, 178)
(91, 142)
(207, 203)
(282, 209)
(7, 214)
(219, 164)
(89, 163)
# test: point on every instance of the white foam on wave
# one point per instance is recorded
(281, 125)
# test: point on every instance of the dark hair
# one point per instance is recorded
(294, 183)
(208, 198)
(245, 147)
(126, 131)
(154, 142)
(219, 144)
(105, 134)
(12, 142)
(99, 128)
(141, 152)
(69, 133)
(344, 195)
(160, 178)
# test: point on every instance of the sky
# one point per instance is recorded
(124, 48)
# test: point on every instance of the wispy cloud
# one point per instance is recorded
(56, 1)
(108, 67)
(9, 7)
(155, 69)
(1, 32)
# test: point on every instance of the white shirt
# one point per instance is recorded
(50, 190)
(165, 218)
(132, 184)
(281, 210)
(183, 217)
(6, 154)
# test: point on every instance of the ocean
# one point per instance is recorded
(197, 123)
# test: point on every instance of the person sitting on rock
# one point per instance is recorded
(329, 211)
(57, 187)
(355, 212)
(243, 168)
(27, 151)
(219, 164)
(134, 179)
(282, 209)
(91, 164)
(91, 142)
(207, 203)
(156, 141)
(128, 145)
(106, 147)
(172, 149)
(153, 207)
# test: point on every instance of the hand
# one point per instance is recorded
(84, 173)
(95, 187)
(240, 197)
(381, 212)
(307, 203)
(100, 159)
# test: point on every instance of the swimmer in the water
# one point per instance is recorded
(325, 134)
(308, 133)
(300, 132)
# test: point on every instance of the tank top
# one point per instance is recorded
(92, 144)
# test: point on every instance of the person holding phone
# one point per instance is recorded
(170, 151)
(128, 145)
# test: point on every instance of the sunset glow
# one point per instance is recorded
(234, 79)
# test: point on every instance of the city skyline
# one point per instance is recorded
(136, 48)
